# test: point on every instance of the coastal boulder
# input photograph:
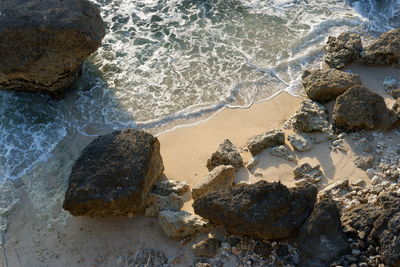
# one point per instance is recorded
(227, 154)
(343, 50)
(258, 143)
(321, 239)
(384, 51)
(262, 210)
(221, 177)
(327, 84)
(43, 43)
(114, 174)
(359, 108)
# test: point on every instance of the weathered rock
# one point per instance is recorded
(324, 85)
(343, 50)
(339, 185)
(227, 154)
(363, 161)
(394, 93)
(181, 224)
(258, 143)
(283, 152)
(159, 203)
(114, 174)
(311, 117)
(384, 51)
(359, 108)
(389, 83)
(207, 247)
(167, 187)
(305, 170)
(321, 239)
(299, 142)
(43, 43)
(221, 177)
(261, 210)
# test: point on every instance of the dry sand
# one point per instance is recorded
(47, 236)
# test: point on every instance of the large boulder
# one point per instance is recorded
(114, 174)
(261, 210)
(384, 51)
(226, 154)
(321, 239)
(258, 143)
(359, 108)
(43, 43)
(327, 84)
(343, 50)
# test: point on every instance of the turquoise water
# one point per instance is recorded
(166, 60)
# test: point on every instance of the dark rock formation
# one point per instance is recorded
(321, 239)
(261, 210)
(227, 154)
(343, 50)
(384, 51)
(327, 84)
(43, 43)
(359, 108)
(258, 143)
(114, 174)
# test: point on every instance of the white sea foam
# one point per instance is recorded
(163, 60)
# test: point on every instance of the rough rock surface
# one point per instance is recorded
(261, 210)
(384, 51)
(227, 154)
(159, 203)
(114, 174)
(221, 177)
(359, 108)
(43, 43)
(311, 117)
(181, 224)
(258, 143)
(343, 50)
(305, 173)
(299, 143)
(321, 239)
(167, 187)
(283, 152)
(324, 85)
(207, 247)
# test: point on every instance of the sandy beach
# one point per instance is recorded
(49, 236)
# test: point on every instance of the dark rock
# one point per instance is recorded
(359, 108)
(384, 51)
(43, 43)
(258, 143)
(261, 210)
(321, 239)
(263, 249)
(207, 247)
(227, 154)
(343, 50)
(114, 174)
(327, 84)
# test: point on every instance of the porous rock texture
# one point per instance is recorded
(114, 174)
(43, 43)
(343, 50)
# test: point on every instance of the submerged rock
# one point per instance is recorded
(227, 154)
(283, 152)
(114, 174)
(258, 143)
(343, 50)
(221, 177)
(359, 108)
(43, 43)
(261, 210)
(327, 84)
(299, 142)
(384, 51)
(321, 239)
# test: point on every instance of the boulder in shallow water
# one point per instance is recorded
(359, 108)
(43, 43)
(343, 50)
(114, 174)
(327, 84)
(227, 154)
(261, 210)
(384, 51)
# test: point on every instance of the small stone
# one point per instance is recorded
(283, 152)
(375, 180)
(166, 187)
(360, 183)
(299, 143)
(252, 163)
(206, 248)
(356, 252)
(226, 246)
(258, 143)
(159, 203)
(236, 251)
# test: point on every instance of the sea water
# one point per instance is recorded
(168, 60)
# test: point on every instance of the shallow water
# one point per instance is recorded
(164, 60)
